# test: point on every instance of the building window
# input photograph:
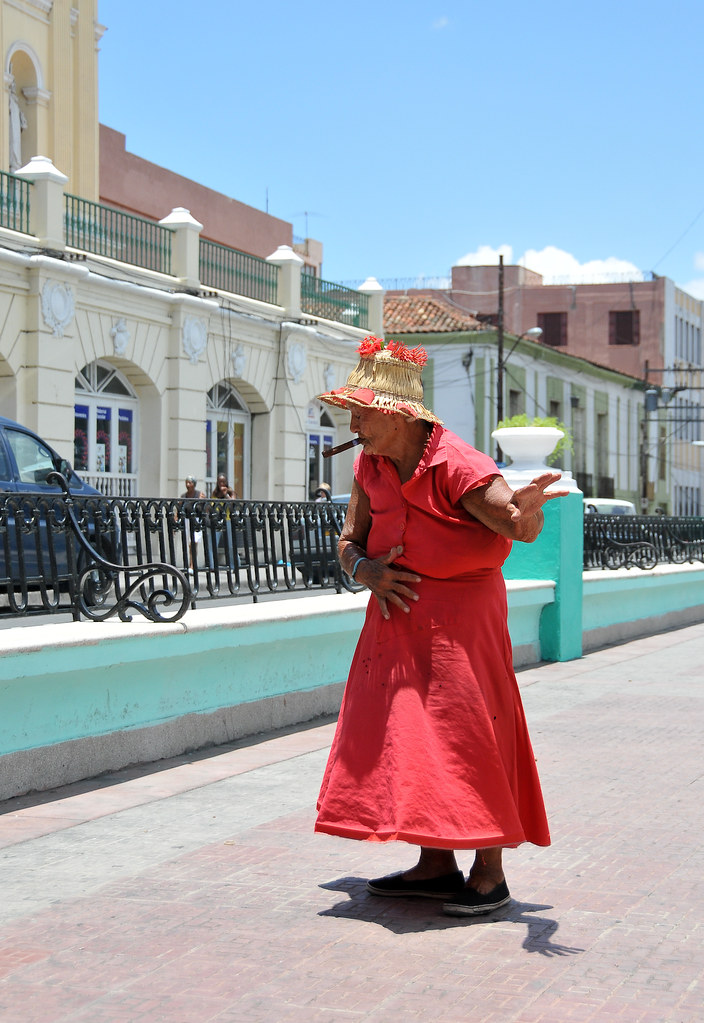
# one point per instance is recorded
(688, 501)
(515, 403)
(624, 327)
(555, 410)
(320, 435)
(227, 439)
(554, 328)
(105, 430)
(662, 454)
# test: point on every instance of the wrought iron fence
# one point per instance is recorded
(96, 557)
(334, 301)
(238, 272)
(14, 202)
(642, 541)
(108, 232)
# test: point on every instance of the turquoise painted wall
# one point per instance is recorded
(83, 681)
(556, 554)
(61, 683)
(70, 688)
(625, 596)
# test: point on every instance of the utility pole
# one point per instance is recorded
(500, 357)
(644, 444)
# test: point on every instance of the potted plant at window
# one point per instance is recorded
(532, 443)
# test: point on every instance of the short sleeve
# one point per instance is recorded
(467, 469)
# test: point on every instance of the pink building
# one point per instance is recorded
(648, 329)
(620, 325)
(138, 186)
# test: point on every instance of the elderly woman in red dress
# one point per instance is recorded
(431, 746)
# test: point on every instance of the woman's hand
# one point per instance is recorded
(530, 499)
(517, 514)
(388, 584)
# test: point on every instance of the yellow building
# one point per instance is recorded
(50, 64)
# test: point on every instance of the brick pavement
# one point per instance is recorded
(194, 891)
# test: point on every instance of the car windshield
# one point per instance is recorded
(34, 461)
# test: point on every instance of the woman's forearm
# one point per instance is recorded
(350, 551)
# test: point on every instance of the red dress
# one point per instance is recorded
(431, 745)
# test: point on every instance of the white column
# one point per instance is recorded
(185, 251)
(289, 264)
(46, 206)
(376, 293)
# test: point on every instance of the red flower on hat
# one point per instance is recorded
(401, 352)
(370, 346)
(398, 350)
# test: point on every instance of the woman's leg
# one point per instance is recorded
(487, 870)
(432, 863)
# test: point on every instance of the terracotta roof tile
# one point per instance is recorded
(425, 314)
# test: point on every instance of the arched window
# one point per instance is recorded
(321, 436)
(105, 430)
(227, 439)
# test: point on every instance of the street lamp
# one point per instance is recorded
(534, 333)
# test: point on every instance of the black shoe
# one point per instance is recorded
(444, 887)
(470, 903)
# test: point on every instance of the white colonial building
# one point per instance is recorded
(136, 345)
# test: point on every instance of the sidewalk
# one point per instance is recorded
(194, 891)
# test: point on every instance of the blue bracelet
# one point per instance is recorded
(356, 565)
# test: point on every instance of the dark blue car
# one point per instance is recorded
(26, 461)
(33, 544)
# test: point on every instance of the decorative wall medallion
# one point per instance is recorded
(239, 361)
(194, 337)
(329, 376)
(121, 336)
(58, 306)
(297, 361)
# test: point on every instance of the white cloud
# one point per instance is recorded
(486, 256)
(441, 23)
(699, 260)
(694, 288)
(556, 265)
(552, 262)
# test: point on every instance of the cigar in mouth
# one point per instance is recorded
(341, 447)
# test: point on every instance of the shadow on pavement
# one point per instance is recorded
(408, 916)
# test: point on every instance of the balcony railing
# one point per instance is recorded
(112, 484)
(105, 231)
(118, 235)
(14, 202)
(334, 302)
(238, 272)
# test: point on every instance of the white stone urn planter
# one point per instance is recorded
(528, 447)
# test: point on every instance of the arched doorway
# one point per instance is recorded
(320, 434)
(105, 430)
(227, 439)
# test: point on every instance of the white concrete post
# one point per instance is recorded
(376, 293)
(46, 207)
(289, 264)
(185, 251)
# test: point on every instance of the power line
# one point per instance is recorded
(675, 244)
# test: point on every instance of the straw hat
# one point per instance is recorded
(387, 377)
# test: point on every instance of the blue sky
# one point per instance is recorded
(417, 135)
